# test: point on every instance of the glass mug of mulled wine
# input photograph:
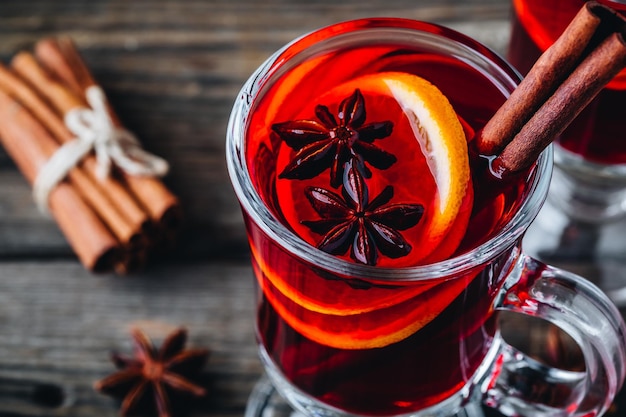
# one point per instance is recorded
(380, 264)
(584, 217)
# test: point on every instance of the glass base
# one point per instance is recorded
(265, 401)
(595, 250)
(582, 225)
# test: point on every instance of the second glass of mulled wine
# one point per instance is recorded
(584, 216)
(382, 249)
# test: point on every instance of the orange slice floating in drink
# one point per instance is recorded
(311, 77)
(545, 24)
(370, 330)
(432, 165)
(332, 295)
(432, 169)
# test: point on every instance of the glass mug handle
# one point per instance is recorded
(520, 385)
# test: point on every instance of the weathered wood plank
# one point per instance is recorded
(58, 325)
(172, 71)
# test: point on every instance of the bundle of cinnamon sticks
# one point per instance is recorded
(113, 222)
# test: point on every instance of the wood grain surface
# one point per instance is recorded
(58, 326)
(172, 70)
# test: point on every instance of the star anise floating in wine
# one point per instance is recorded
(146, 381)
(351, 221)
(332, 142)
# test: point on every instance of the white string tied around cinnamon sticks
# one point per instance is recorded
(95, 130)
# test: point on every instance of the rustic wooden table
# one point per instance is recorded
(172, 70)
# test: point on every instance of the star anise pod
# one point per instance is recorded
(351, 221)
(155, 374)
(332, 142)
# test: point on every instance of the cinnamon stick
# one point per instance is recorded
(118, 194)
(559, 111)
(123, 208)
(61, 57)
(590, 52)
(93, 243)
(119, 212)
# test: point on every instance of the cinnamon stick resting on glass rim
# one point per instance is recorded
(567, 76)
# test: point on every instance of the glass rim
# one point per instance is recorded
(253, 205)
(595, 171)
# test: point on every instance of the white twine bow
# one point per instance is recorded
(95, 131)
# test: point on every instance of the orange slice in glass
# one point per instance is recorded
(370, 330)
(544, 24)
(334, 296)
(432, 167)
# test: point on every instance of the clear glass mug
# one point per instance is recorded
(584, 217)
(339, 338)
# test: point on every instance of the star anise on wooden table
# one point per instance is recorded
(146, 381)
(351, 221)
(332, 142)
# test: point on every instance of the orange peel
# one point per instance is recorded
(420, 113)
(370, 330)
(331, 312)
(333, 297)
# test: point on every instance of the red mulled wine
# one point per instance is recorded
(366, 346)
